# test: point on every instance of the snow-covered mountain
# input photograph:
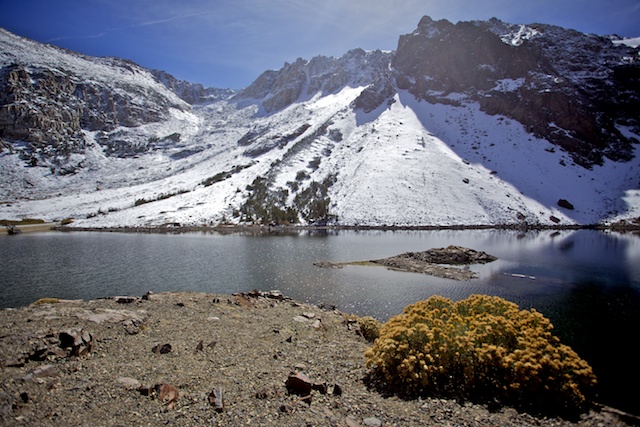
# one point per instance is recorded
(477, 123)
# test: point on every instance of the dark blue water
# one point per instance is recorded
(586, 282)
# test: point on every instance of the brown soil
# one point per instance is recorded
(244, 347)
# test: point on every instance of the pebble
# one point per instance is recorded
(372, 422)
(129, 383)
(41, 372)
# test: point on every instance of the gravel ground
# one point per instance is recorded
(227, 363)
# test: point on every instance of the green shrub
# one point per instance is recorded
(482, 349)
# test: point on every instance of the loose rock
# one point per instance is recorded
(215, 399)
(129, 383)
(298, 383)
(372, 422)
(167, 394)
(161, 349)
(41, 372)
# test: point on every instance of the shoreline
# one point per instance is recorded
(30, 228)
(275, 229)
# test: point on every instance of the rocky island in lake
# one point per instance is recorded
(432, 262)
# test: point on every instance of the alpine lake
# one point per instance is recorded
(586, 282)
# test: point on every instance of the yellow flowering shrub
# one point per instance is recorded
(369, 327)
(483, 349)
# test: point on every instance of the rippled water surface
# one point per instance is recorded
(586, 282)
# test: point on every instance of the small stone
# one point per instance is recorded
(309, 315)
(129, 383)
(126, 300)
(145, 390)
(200, 346)
(75, 342)
(320, 387)
(317, 324)
(300, 319)
(337, 389)
(132, 326)
(372, 422)
(285, 408)
(213, 319)
(167, 393)
(298, 383)
(41, 372)
(162, 349)
(215, 399)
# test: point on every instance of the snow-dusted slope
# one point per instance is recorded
(410, 163)
(327, 140)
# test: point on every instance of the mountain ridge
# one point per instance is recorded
(479, 133)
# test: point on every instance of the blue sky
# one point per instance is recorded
(228, 43)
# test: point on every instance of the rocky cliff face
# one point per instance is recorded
(34, 108)
(48, 96)
(576, 90)
(276, 90)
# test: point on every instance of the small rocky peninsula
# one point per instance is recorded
(192, 359)
(437, 262)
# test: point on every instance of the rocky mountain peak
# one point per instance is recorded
(192, 93)
(574, 89)
(275, 90)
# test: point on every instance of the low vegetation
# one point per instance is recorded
(46, 300)
(483, 349)
(266, 205)
(26, 221)
(221, 176)
(162, 196)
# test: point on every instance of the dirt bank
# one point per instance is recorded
(199, 359)
(29, 228)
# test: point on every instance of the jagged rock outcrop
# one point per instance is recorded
(576, 90)
(48, 96)
(573, 89)
(34, 108)
(193, 93)
(279, 89)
